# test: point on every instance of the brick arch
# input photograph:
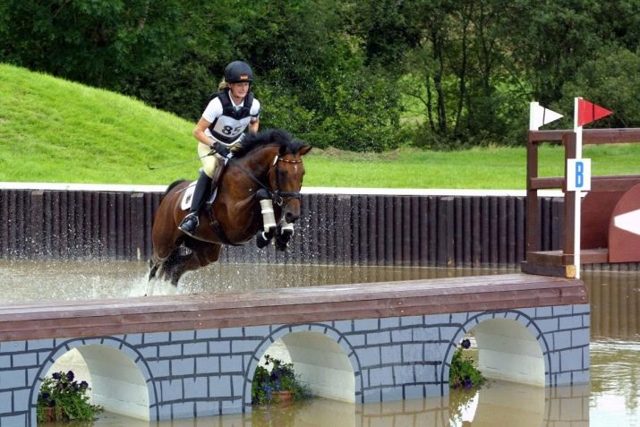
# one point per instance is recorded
(514, 315)
(279, 332)
(122, 346)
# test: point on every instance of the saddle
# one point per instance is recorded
(187, 197)
(185, 205)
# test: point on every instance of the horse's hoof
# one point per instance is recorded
(282, 239)
(152, 272)
(175, 276)
(262, 240)
(282, 245)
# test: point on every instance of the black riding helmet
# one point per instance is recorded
(238, 72)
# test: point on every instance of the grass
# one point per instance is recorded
(52, 130)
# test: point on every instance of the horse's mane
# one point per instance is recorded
(271, 136)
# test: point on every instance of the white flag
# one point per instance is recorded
(538, 116)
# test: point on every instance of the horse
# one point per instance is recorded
(260, 183)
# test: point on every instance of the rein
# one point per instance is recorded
(276, 195)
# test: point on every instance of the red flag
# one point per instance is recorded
(589, 112)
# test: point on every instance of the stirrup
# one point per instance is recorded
(190, 223)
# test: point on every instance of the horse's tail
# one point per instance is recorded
(171, 186)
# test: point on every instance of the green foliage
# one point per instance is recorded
(370, 124)
(67, 397)
(463, 373)
(281, 377)
(611, 80)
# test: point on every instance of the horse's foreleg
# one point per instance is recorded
(284, 234)
(263, 238)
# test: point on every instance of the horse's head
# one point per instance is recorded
(285, 178)
(276, 159)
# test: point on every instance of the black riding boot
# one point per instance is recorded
(190, 222)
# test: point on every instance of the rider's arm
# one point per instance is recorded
(254, 125)
(198, 132)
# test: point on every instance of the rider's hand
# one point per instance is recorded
(221, 149)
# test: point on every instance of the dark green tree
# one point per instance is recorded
(611, 80)
(547, 41)
(95, 42)
(315, 74)
(459, 74)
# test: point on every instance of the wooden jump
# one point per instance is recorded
(285, 306)
(605, 192)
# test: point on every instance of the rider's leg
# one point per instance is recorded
(191, 221)
(211, 168)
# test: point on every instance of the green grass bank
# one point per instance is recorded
(52, 130)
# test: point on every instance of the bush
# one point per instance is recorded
(463, 373)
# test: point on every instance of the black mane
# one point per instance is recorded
(272, 136)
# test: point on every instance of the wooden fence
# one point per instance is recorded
(343, 229)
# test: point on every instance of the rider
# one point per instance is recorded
(220, 130)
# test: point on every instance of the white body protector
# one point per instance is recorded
(228, 123)
(228, 120)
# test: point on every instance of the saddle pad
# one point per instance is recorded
(187, 197)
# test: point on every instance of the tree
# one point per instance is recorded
(459, 74)
(95, 42)
(548, 40)
(611, 80)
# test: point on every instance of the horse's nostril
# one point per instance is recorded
(290, 217)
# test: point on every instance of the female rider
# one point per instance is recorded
(219, 131)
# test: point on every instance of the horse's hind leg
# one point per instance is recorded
(165, 236)
(202, 255)
(153, 268)
(160, 266)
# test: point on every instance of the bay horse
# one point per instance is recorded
(267, 166)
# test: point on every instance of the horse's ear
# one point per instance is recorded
(304, 149)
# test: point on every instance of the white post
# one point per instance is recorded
(577, 216)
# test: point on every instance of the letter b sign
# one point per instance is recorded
(578, 174)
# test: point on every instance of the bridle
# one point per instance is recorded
(277, 196)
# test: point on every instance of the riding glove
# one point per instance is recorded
(221, 149)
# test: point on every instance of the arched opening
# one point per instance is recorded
(320, 362)
(116, 382)
(507, 351)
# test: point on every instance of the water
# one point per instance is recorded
(77, 280)
(612, 398)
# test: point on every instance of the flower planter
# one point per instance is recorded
(284, 396)
(49, 414)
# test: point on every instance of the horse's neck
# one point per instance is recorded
(259, 162)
